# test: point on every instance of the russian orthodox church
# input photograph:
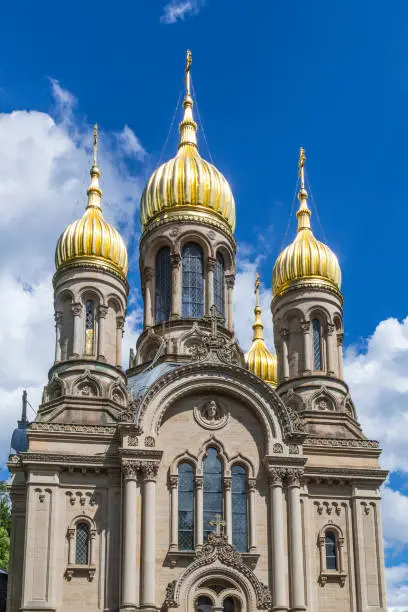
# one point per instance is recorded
(201, 479)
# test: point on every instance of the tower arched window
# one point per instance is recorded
(212, 490)
(82, 544)
(89, 327)
(317, 345)
(185, 507)
(229, 605)
(239, 508)
(204, 604)
(219, 284)
(331, 550)
(163, 285)
(193, 281)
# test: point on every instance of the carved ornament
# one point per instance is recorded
(211, 415)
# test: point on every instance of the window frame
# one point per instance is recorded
(166, 285)
(74, 568)
(192, 308)
(326, 574)
(218, 297)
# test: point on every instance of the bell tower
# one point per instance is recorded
(307, 309)
(187, 251)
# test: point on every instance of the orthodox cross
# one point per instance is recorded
(219, 525)
(257, 285)
(95, 144)
(189, 61)
(301, 165)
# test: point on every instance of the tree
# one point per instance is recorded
(5, 525)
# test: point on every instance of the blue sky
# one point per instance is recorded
(269, 76)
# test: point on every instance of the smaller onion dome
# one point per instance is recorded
(91, 239)
(307, 259)
(187, 186)
(19, 440)
(259, 359)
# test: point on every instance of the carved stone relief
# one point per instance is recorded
(211, 415)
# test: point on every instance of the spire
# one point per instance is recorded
(94, 191)
(188, 127)
(257, 326)
(303, 214)
(24, 408)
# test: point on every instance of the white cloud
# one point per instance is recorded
(179, 10)
(397, 588)
(44, 164)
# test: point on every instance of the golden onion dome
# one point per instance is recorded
(306, 260)
(92, 239)
(187, 186)
(259, 359)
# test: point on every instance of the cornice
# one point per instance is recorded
(328, 473)
(301, 285)
(89, 267)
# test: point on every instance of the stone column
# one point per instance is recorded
(307, 348)
(199, 511)
(228, 508)
(58, 326)
(176, 286)
(148, 598)
(174, 512)
(210, 285)
(71, 546)
(102, 312)
(148, 297)
(252, 514)
(120, 324)
(360, 562)
(277, 542)
(129, 568)
(230, 282)
(340, 338)
(296, 542)
(78, 329)
(284, 334)
(331, 349)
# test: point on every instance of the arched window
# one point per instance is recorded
(82, 544)
(229, 605)
(185, 507)
(212, 490)
(193, 281)
(239, 508)
(89, 327)
(204, 604)
(317, 345)
(219, 284)
(163, 285)
(331, 550)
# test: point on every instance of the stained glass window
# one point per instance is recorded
(185, 507)
(219, 285)
(317, 345)
(163, 285)
(82, 544)
(212, 490)
(239, 508)
(331, 552)
(89, 327)
(193, 281)
(229, 605)
(204, 604)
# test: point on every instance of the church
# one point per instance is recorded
(202, 479)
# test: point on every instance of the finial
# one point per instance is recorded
(257, 326)
(94, 191)
(303, 214)
(257, 285)
(188, 127)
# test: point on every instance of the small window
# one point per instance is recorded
(185, 507)
(163, 285)
(331, 550)
(317, 345)
(219, 285)
(193, 281)
(82, 544)
(204, 604)
(239, 509)
(89, 328)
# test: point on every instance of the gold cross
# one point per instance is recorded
(218, 524)
(95, 144)
(257, 285)
(301, 165)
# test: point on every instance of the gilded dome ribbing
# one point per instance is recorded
(91, 239)
(187, 185)
(307, 259)
(259, 359)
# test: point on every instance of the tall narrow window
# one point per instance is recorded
(193, 281)
(219, 285)
(229, 605)
(212, 490)
(185, 507)
(331, 550)
(204, 604)
(317, 345)
(82, 544)
(239, 509)
(89, 327)
(163, 285)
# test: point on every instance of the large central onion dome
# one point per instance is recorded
(188, 187)
(259, 359)
(306, 260)
(91, 239)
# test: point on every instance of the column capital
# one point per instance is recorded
(173, 481)
(71, 534)
(149, 470)
(230, 280)
(76, 309)
(276, 476)
(227, 483)
(330, 329)
(130, 469)
(102, 311)
(211, 261)
(284, 333)
(147, 274)
(305, 325)
(340, 338)
(120, 322)
(175, 259)
(251, 484)
(294, 477)
(198, 481)
(58, 317)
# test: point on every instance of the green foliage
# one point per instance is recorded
(5, 525)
